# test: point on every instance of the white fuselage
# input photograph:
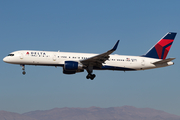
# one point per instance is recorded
(78, 62)
(115, 62)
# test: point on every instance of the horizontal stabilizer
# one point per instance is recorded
(164, 61)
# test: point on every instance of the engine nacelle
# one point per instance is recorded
(71, 67)
(68, 72)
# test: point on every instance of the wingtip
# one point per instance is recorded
(115, 46)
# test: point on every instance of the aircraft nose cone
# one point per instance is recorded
(5, 59)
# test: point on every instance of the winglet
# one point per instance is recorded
(115, 46)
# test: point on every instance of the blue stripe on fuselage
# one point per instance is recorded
(106, 67)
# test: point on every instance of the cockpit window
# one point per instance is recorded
(11, 55)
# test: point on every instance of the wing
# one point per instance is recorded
(99, 59)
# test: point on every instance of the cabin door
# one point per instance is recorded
(143, 62)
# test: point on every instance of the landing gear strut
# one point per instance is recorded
(90, 75)
(23, 68)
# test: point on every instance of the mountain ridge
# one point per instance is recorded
(91, 113)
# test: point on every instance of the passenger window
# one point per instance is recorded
(11, 55)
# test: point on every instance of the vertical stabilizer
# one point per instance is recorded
(162, 47)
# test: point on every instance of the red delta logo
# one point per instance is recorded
(163, 47)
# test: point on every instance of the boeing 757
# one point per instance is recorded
(78, 62)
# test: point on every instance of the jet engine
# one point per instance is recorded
(72, 67)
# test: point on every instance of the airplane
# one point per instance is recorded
(78, 62)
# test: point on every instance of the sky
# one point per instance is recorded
(88, 26)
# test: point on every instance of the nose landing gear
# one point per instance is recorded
(23, 72)
(23, 68)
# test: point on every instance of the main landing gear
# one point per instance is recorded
(23, 68)
(90, 75)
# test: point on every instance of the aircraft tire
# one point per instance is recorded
(23, 72)
(92, 76)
